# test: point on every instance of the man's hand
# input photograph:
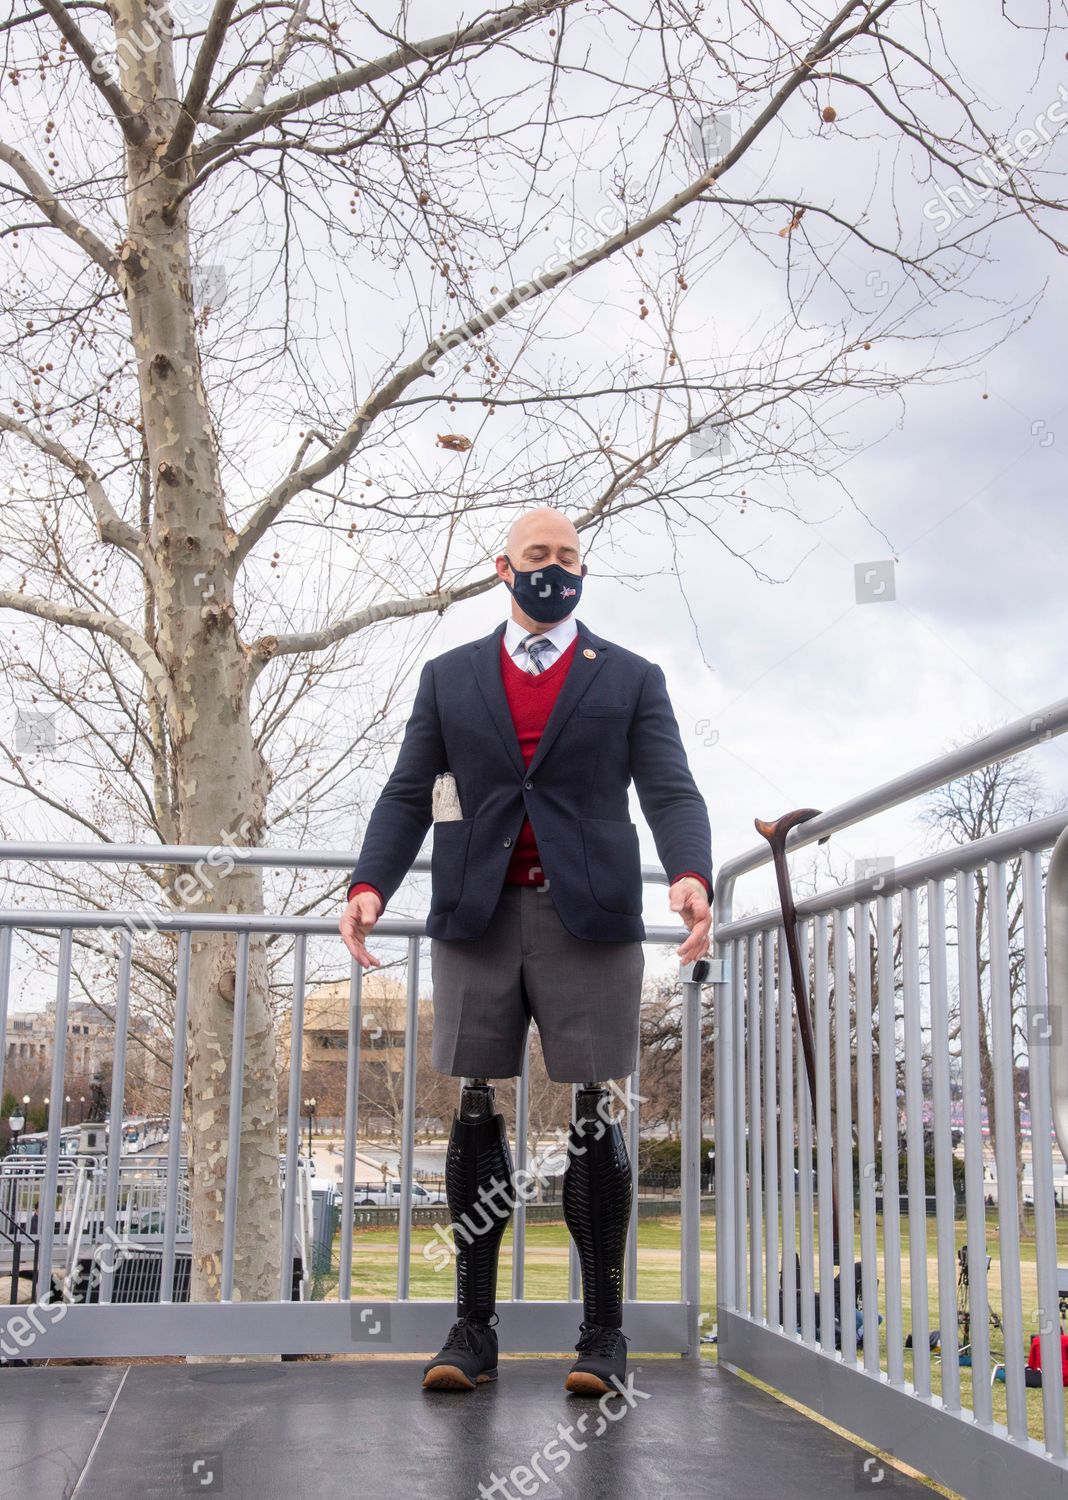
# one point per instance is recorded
(359, 916)
(690, 899)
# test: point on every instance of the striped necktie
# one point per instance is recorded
(536, 647)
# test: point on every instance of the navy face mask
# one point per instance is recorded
(547, 594)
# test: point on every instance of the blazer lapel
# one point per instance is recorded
(581, 673)
(486, 664)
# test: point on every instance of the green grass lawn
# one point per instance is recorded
(374, 1263)
(374, 1275)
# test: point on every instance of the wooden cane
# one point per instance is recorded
(776, 834)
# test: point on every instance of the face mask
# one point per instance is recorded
(547, 594)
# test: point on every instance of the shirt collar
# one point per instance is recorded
(561, 635)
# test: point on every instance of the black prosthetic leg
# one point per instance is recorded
(480, 1190)
(479, 1187)
(597, 1198)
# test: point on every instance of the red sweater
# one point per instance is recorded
(530, 701)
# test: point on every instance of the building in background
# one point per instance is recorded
(324, 1060)
(90, 1046)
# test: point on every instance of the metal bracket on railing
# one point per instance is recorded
(706, 971)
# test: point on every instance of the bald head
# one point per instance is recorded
(543, 535)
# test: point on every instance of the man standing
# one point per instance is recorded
(536, 912)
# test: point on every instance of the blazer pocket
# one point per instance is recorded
(448, 862)
(605, 710)
(613, 865)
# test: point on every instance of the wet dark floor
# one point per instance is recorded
(351, 1429)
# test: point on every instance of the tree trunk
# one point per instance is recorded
(220, 776)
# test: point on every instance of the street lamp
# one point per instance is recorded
(66, 1108)
(16, 1123)
(81, 1101)
(309, 1110)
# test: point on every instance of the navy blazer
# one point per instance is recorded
(611, 723)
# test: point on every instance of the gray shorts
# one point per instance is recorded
(584, 997)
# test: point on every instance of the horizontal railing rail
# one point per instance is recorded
(242, 923)
(1031, 838)
(195, 854)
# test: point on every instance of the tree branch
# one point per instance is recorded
(57, 215)
(110, 525)
(512, 19)
(270, 646)
(545, 281)
(279, 58)
(343, 148)
(135, 645)
(133, 127)
(200, 82)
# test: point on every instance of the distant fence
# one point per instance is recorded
(365, 1216)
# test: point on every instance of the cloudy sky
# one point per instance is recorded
(792, 693)
(788, 690)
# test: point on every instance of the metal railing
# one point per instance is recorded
(353, 1321)
(81, 1199)
(919, 978)
(928, 987)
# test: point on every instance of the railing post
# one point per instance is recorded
(522, 1131)
(404, 1208)
(1057, 986)
(724, 1120)
(690, 1152)
(115, 1114)
(296, 1055)
(46, 1208)
(352, 1115)
(5, 984)
(174, 1137)
(233, 1132)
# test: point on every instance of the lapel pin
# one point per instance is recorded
(588, 654)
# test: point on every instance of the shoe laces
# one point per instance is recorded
(599, 1338)
(460, 1332)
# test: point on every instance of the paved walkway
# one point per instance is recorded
(337, 1430)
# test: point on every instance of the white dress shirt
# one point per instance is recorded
(560, 635)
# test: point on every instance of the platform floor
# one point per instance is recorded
(333, 1429)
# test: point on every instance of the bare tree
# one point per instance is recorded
(212, 498)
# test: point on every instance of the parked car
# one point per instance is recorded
(388, 1195)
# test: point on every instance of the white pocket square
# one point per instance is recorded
(445, 799)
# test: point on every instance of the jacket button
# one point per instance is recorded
(507, 843)
(528, 786)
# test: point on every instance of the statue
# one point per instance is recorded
(98, 1100)
(92, 1137)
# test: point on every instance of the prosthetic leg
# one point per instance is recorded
(481, 1196)
(597, 1198)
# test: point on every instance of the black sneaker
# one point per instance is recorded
(602, 1354)
(468, 1357)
